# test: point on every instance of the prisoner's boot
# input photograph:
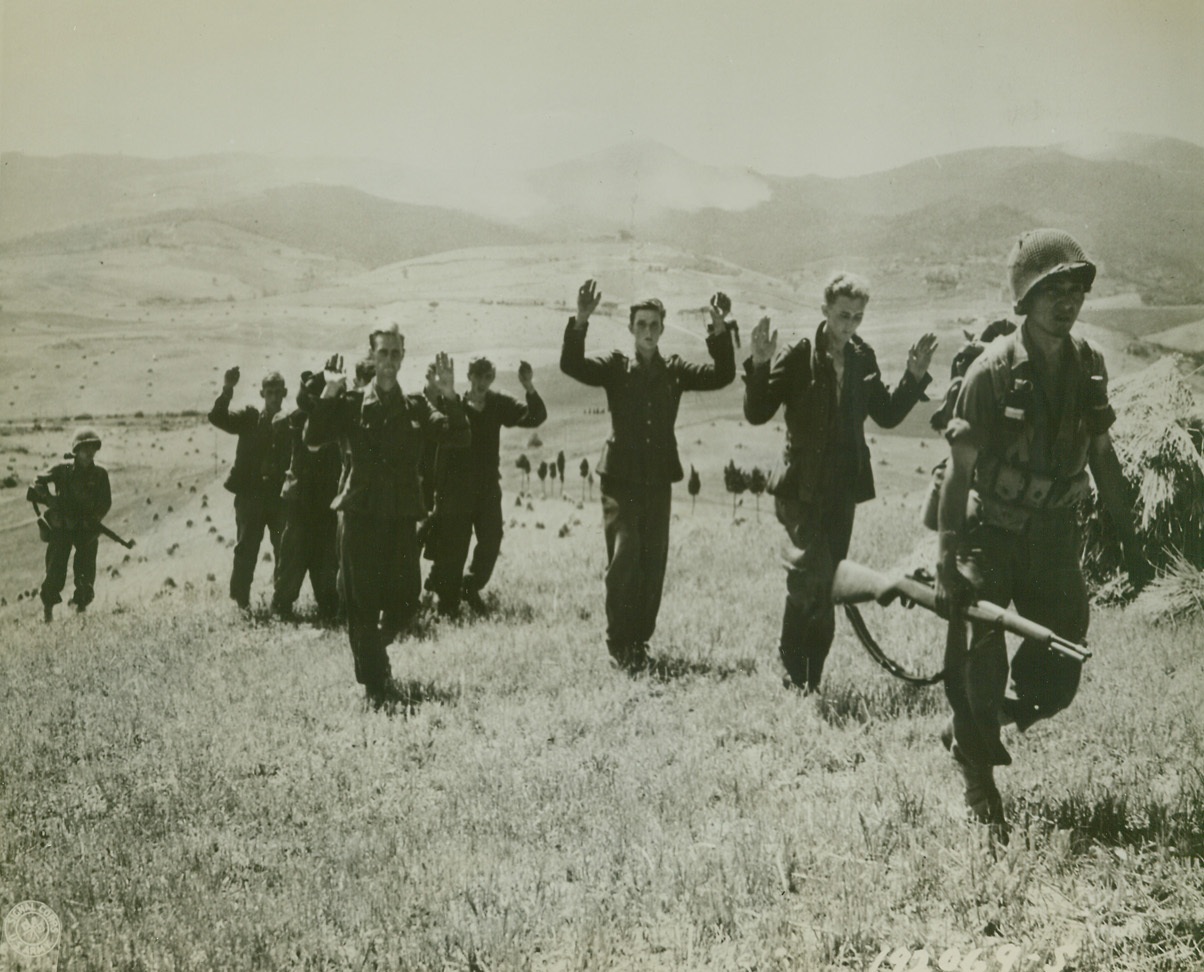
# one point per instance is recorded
(472, 597)
(379, 694)
(804, 666)
(630, 658)
(48, 613)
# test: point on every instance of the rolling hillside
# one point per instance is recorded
(1136, 203)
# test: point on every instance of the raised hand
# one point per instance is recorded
(588, 298)
(445, 375)
(230, 379)
(526, 375)
(764, 343)
(920, 355)
(336, 380)
(719, 307)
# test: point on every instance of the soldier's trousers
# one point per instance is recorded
(1039, 572)
(819, 539)
(452, 534)
(635, 519)
(58, 552)
(308, 546)
(252, 515)
(381, 580)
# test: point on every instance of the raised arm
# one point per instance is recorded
(327, 414)
(765, 381)
(448, 424)
(528, 415)
(721, 372)
(220, 415)
(573, 362)
(889, 408)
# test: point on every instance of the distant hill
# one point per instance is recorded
(348, 224)
(1136, 203)
(1141, 216)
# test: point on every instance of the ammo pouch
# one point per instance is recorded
(1022, 493)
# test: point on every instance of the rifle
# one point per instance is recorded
(43, 496)
(856, 584)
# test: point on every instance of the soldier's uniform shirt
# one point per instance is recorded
(470, 495)
(381, 501)
(84, 498)
(1022, 542)
(638, 466)
(255, 479)
(308, 543)
(824, 473)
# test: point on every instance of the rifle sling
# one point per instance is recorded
(875, 651)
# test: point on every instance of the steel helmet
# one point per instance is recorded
(84, 437)
(1041, 253)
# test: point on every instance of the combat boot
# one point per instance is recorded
(982, 795)
(48, 613)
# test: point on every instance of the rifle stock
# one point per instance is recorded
(855, 583)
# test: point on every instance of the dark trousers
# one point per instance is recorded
(455, 524)
(308, 546)
(252, 514)
(819, 539)
(58, 552)
(381, 580)
(1039, 572)
(635, 518)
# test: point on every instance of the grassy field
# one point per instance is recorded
(189, 788)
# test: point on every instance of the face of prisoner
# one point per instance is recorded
(388, 351)
(480, 381)
(842, 317)
(273, 395)
(646, 328)
(1054, 304)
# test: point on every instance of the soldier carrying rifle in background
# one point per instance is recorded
(80, 500)
(1031, 416)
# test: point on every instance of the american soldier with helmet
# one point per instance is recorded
(81, 498)
(1031, 418)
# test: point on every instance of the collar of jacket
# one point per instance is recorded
(656, 364)
(372, 397)
(819, 353)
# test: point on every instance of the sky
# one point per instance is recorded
(791, 87)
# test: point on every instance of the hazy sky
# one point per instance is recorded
(786, 86)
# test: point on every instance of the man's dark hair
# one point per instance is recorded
(650, 304)
(379, 332)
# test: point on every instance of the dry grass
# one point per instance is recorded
(191, 789)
